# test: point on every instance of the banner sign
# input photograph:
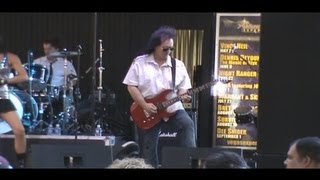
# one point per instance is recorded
(237, 59)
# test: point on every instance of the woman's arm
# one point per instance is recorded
(15, 63)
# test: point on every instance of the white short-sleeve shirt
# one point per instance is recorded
(151, 79)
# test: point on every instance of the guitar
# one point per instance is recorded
(145, 120)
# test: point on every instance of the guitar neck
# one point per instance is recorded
(165, 104)
(200, 88)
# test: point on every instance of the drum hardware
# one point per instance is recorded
(30, 58)
(101, 68)
(40, 122)
(39, 83)
(100, 87)
(54, 92)
(73, 79)
(64, 87)
(69, 109)
(36, 85)
(96, 115)
(97, 110)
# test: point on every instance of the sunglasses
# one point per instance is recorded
(167, 49)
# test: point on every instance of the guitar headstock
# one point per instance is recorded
(207, 85)
(224, 81)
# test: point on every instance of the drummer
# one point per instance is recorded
(55, 81)
(56, 77)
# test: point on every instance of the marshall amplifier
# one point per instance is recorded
(170, 134)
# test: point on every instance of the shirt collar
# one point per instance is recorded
(151, 59)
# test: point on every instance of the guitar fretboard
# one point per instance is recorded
(165, 104)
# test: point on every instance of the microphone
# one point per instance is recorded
(79, 47)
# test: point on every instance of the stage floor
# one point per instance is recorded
(80, 137)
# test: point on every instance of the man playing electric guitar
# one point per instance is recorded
(150, 74)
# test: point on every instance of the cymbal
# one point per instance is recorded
(64, 54)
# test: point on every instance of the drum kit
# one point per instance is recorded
(34, 98)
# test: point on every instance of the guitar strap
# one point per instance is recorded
(173, 71)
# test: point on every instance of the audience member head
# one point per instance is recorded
(130, 163)
(225, 160)
(129, 149)
(304, 153)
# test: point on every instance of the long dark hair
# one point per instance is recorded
(157, 37)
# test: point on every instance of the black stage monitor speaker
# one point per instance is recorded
(170, 133)
(69, 156)
(44, 148)
(180, 157)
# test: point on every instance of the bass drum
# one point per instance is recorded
(26, 106)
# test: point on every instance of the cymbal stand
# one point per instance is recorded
(93, 76)
(65, 114)
(40, 122)
(77, 94)
(77, 91)
(100, 68)
(30, 56)
(34, 123)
